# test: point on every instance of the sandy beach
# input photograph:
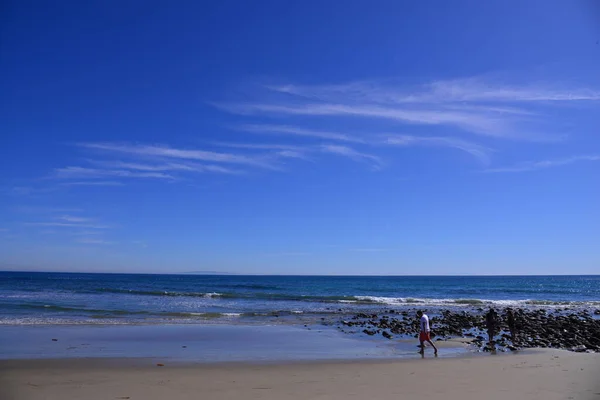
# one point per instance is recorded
(538, 374)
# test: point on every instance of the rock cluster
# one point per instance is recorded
(564, 329)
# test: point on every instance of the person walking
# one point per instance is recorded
(425, 332)
(512, 327)
(491, 322)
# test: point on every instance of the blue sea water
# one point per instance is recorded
(28, 298)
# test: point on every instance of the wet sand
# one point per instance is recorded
(538, 374)
(205, 343)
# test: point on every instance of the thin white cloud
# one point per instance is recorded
(74, 219)
(280, 151)
(537, 165)
(86, 233)
(259, 146)
(474, 105)
(67, 225)
(296, 131)
(74, 172)
(480, 152)
(169, 152)
(369, 250)
(148, 167)
(287, 254)
(223, 170)
(46, 210)
(181, 167)
(29, 190)
(292, 154)
(153, 162)
(93, 241)
(93, 183)
(478, 90)
(351, 153)
(484, 123)
(441, 91)
(492, 109)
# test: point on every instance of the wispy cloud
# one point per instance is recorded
(164, 163)
(161, 167)
(480, 152)
(169, 152)
(67, 225)
(87, 233)
(159, 163)
(90, 173)
(296, 131)
(288, 254)
(120, 165)
(29, 190)
(93, 183)
(46, 210)
(475, 89)
(350, 120)
(369, 250)
(485, 123)
(353, 154)
(473, 105)
(260, 146)
(93, 241)
(301, 155)
(74, 219)
(537, 165)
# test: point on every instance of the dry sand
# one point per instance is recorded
(544, 375)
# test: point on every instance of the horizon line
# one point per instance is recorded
(291, 275)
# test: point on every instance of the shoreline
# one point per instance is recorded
(387, 334)
(205, 343)
(539, 374)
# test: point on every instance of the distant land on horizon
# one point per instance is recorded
(216, 273)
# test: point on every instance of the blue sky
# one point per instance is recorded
(301, 137)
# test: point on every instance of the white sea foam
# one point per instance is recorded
(467, 302)
(212, 295)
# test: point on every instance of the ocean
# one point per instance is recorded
(28, 298)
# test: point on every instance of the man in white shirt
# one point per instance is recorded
(424, 334)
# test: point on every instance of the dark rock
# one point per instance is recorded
(386, 335)
(369, 332)
(535, 328)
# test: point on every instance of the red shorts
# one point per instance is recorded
(424, 336)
